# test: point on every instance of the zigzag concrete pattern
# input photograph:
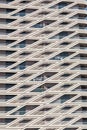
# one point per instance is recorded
(43, 64)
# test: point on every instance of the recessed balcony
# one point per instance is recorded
(81, 110)
(81, 88)
(81, 99)
(62, 56)
(5, 121)
(24, 43)
(24, 12)
(61, 5)
(81, 46)
(80, 16)
(6, 86)
(5, 109)
(6, 10)
(82, 121)
(82, 77)
(80, 6)
(24, 110)
(44, 76)
(4, 98)
(24, 65)
(81, 56)
(6, 1)
(6, 75)
(64, 98)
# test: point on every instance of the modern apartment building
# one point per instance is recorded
(43, 64)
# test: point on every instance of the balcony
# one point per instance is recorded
(80, 26)
(6, 11)
(43, 23)
(42, 111)
(81, 110)
(23, 23)
(63, 98)
(5, 1)
(42, 14)
(5, 75)
(45, 121)
(32, 129)
(61, 5)
(24, 110)
(81, 56)
(82, 99)
(6, 109)
(22, 123)
(5, 86)
(82, 88)
(62, 35)
(5, 64)
(24, 12)
(24, 2)
(5, 121)
(81, 78)
(22, 99)
(24, 65)
(70, 128)
(4, 98)
(82, 121)
(44, 87)
(80, 67)
(80, 16)
(22, 88)
(65, 109)
(24, 43)
(44, 76)
(80, 7)
(5, 43)
(5, 21)
(81, 46)
(62, 56)
(43, 3)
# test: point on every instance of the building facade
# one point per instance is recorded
(43, 64)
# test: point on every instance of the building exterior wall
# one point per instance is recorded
(43, 64)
